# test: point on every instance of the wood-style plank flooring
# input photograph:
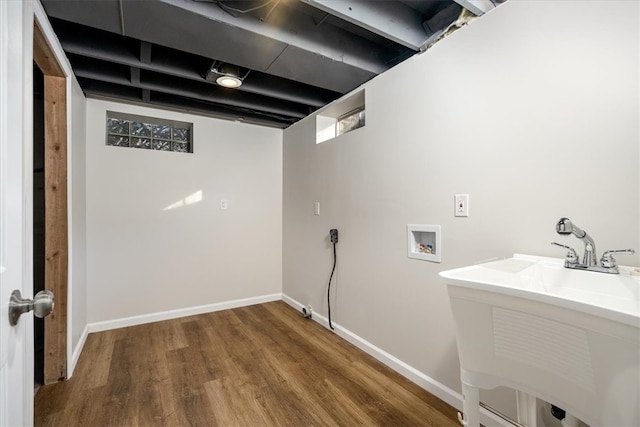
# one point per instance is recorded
(262, 365)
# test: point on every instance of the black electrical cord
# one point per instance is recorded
(329, 287)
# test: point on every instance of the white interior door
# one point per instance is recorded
(16, 227)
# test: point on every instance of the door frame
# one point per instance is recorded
(56, 210)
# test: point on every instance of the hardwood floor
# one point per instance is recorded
(253, 366)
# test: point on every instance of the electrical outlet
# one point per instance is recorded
(316, 208)
(307, 311)
(461, 205)
(333, 233)
(224, 204)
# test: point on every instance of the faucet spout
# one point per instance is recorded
(589, 261)
(565, 226)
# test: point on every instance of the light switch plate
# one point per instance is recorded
(461, 205)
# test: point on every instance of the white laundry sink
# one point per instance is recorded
(566, 336)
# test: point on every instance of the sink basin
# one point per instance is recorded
(614, 296)
(566, 336)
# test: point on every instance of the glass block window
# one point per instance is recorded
(128, 130)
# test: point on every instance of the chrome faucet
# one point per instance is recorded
(565, 226)
(607, 263)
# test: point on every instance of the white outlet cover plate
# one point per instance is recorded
(461, 205)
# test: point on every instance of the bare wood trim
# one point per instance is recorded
(43, 54)
(56, 242)
(56, 226)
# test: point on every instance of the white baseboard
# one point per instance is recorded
(77, 351)
(434, 387)
(182, 312)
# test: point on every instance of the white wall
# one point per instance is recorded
(144, 258)
(77, 292)
(532, 110)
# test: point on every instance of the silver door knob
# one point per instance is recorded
(42, 304)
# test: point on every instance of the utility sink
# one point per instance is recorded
(566, 336)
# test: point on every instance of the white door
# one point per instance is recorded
(16, 158)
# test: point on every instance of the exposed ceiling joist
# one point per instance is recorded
(97, 90)
(261, 84)
(477, 7)
(295, 55)
(290, 45)
(390, 20)
(200, 91)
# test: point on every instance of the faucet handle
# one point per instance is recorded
(572, 256)
(609, 261)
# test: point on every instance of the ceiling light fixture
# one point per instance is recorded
(225, 75)
(229, 81)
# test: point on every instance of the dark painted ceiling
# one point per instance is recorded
(296, 55)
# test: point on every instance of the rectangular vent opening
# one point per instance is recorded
(343, 116)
